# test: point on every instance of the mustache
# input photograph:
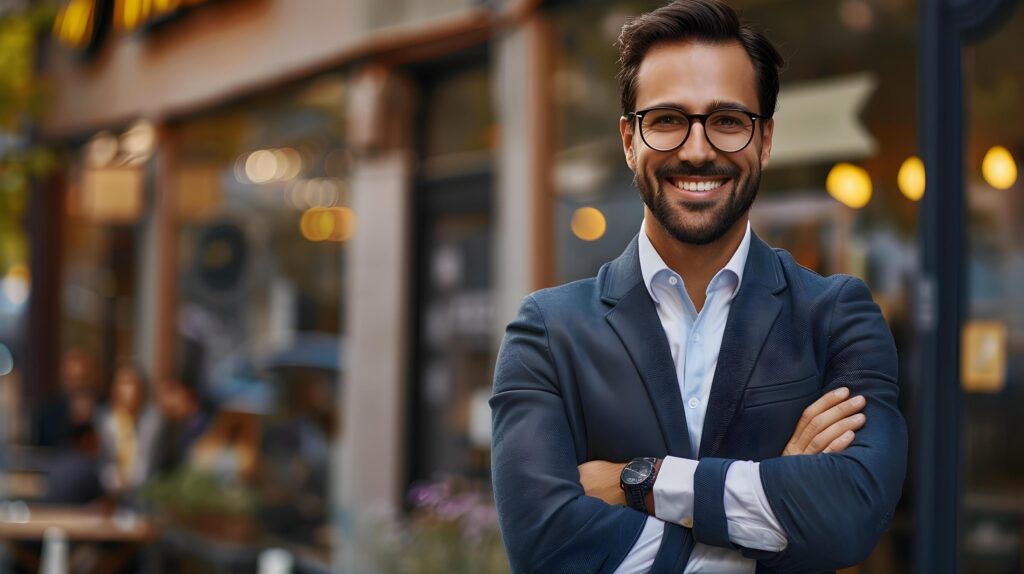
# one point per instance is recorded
(690, 170)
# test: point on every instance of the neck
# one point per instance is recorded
(696, 264)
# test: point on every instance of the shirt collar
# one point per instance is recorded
(652, 266)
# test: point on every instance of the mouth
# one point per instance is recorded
(697, 185)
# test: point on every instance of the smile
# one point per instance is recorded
(689, 185)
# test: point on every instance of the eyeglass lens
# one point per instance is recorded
(727, 130)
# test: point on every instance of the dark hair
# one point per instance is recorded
(708, 21)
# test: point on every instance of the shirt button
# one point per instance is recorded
(696, 338)
(672, 280)
(693, 403)
(688, 522)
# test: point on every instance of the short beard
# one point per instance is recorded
(722, 219)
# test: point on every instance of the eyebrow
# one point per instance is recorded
(714, 105)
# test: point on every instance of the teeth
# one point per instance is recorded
(697, 185)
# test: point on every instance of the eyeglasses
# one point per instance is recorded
(666, 129)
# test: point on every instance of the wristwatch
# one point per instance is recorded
(637, 479)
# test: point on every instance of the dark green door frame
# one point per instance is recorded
(945, 26)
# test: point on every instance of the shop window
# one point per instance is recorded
(453, 338)
(263, 216)
(992, 359)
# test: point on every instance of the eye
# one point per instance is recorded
(664, 120)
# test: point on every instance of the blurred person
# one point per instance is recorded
(128, 428)
(648, 419)
(295, 455)
(73, 406)
(73, 475)
(184, 419)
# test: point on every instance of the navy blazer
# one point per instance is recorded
(585, 373)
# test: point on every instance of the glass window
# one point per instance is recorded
(992, 369)
(262, 206)
(454, 349)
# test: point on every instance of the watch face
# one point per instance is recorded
(636, 472)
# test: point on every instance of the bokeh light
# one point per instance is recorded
(999, 168)
(17, 284)
(588, 223)
(849, 184)
(260, 166)
(911, 178)
(337, 224)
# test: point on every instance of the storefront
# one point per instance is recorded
(344, 225)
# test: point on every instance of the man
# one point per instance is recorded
(643, 419)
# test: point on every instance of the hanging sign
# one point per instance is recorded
(81, 24)
(983, 363)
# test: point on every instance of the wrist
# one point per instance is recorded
(649, 497)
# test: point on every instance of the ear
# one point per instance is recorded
(626, 131)
(766, 141)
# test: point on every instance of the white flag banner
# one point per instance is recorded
(818, 121)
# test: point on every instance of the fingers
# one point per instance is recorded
(839, 445)
(820, 423)
(836, 432)
(829, 400)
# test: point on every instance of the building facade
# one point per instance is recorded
(345, 202)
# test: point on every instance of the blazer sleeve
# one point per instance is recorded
(547, 522)
(833, 507)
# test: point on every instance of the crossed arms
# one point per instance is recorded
(832, 506)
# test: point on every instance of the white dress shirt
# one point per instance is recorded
(695, 339)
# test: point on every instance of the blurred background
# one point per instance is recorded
(256, 257)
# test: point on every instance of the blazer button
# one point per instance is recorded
(688, 522)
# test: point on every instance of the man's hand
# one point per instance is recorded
(600, 479)
(828, 425)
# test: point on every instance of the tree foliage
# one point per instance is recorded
(22, 102)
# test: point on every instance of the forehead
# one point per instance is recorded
(695, 75)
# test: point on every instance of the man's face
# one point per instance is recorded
(697, 193)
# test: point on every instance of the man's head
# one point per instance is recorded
(696, 57)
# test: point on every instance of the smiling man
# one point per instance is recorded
(704, 404)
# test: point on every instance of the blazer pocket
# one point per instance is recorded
(759, 396)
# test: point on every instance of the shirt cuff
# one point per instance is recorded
(645, 549)
(749, 518)
(673, 491)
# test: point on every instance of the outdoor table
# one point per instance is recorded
(27, 524)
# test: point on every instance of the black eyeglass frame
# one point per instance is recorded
(639, 114)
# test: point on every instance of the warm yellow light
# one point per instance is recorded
(166, 6)
(130, 14)
(336, 224)
(849, 184)
(999, 168)
(316, 224)
(73, 25)
(344, 224)
(911, 178)
(588, 224)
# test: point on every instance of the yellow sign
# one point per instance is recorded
(75, 26)
(112, 195)
(78, 27)
(983, 358)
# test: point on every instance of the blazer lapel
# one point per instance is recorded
(751, 317)
(635, 320)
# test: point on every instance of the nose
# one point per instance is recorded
(696, 149)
